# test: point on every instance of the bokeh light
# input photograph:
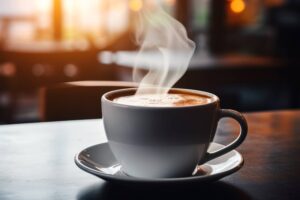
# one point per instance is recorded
(70, 70)
(135, 5)
(8, 69)
(237, 6)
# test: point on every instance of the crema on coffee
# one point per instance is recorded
(163, 100)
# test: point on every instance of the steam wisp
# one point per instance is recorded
(165, 45)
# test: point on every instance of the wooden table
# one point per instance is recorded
(37, 163)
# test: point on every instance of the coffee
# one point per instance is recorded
(163, 100)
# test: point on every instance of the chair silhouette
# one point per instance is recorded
(76, 100)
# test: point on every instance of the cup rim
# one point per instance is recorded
(215, 99)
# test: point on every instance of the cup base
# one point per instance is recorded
(157, 161)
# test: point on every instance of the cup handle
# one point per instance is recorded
(243, 133)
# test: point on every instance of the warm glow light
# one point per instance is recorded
(135, 5)
(43, 5)
(237, 6)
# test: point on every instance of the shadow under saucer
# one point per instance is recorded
(216, 190)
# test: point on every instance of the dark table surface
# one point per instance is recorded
(37, 163)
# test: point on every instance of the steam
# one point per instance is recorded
(165, 49)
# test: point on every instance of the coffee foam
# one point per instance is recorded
(162, 100)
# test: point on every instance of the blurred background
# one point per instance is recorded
(247, 50)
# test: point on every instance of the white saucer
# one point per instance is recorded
(100, 161)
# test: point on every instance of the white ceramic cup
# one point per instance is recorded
(165, 142)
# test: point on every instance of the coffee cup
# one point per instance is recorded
(169, 141)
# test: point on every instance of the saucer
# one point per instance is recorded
(100, 161)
